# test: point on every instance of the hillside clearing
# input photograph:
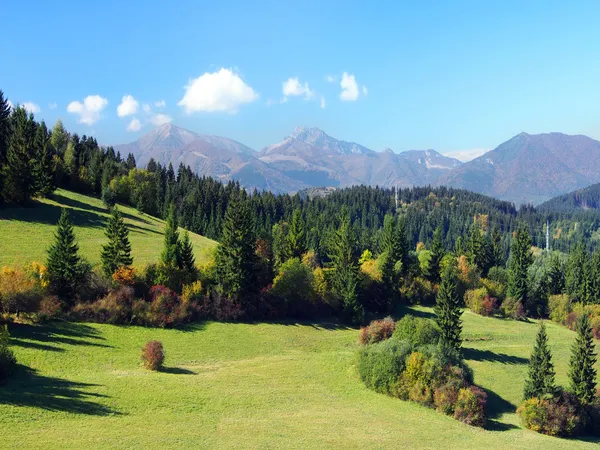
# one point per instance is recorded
(27, 232)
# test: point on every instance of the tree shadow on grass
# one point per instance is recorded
(487, 355)
(403, 310)
(177, 371)
(55, 333)
(29, 388)
(496, 406)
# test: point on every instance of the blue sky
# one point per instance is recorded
(452, 76)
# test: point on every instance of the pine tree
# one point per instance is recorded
(4, 128)
(575, 277)
(342, 252)
(117, 252)
(437, 253)
(170, 254)
(540, 379)
(394, 246)
(582, 373)
(497, 253)
(281, 244)
(235, 257)
(447, 309)
(186, 253)
(297, 235)
(19, 181)
(66, 270)
(43, 167)
(556, 276)
(130, 164)
(520, 260)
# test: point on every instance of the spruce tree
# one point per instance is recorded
(394, 246)
(343, 255)
(575, 276)
(117, 252)
(235, 257)
(447, 309)
(186, 253)
(43, 167)
(520, 260)
(297, 235)
(497, 253)
(556, 276)
(281, 244)
(582, 373)
(4, 128)
(540, 378)
(437, 253)
(170, 254)
(66, 270)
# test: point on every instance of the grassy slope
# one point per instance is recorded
(25, 233)
(250, 386)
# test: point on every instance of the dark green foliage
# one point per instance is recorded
(66, 270)
(343, 255)
(381, 364)
(394, 247)
(235, 257)
(582, 373)
(575, 276)
(540, 378)
(43, 167)
(479, 249)
(186, 254)
(448, 311)
(170, 255)
(520, 260)
(556, 276)
(281, 244)
(117, 252)
(416, 330)
(437, 253)
(296, 235)
(8, 361)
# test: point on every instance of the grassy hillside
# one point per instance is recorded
(251, 386)
(26, 233)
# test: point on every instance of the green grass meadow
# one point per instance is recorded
(26, 233)
(251, 386)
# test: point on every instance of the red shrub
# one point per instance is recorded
(444, 398)
(153, 355)
(489, 306)
(470, 406)
(377, 330)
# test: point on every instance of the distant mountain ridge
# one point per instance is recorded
(525, 169)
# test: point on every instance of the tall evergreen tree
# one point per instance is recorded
(437, 253)
(540, 378)
(556, 276)
(297, 235)
(447, 309)
(170, 254)
(575, 276)
(520, 260)
(582, 373)
(497, 253)
(343, 255)
(66, 270)
(235, 257)
(281, 244)
(394, 246)
(186, 252)
(43, 166)
(59, 138)
(4, 127)
(19, 181)
(117, 252)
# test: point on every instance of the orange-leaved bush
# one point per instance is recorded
(153, 355)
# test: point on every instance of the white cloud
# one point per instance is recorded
(88, 111)
(323, 104)
(466, 155)
(365, 91)
(52, 105)
(217, 91)
(330, 78)
(146, 108)
(160, 104)
(128, 107)
(292, 88)
(134, 125)
(160, 119)
(31, 107)
(349, 88)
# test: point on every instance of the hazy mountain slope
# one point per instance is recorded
(584, 199)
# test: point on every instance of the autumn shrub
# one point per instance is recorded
(381, 364)
(494, 288)
(115, 307)
(417, 330)
(512, 309)
(418, 291)
(473, 299)
(153, 355)
(470, 406)
(8, 361)
(377, 330)
(50, 308)
(310, 259)
(19, 291)
(445, 396)
(166, 308)
(560, 415)
(125, 276)
(560, 307)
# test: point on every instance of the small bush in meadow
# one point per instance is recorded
(470, 406)
(417, 330)
(377, 330)
(561, 415)
(153, 355)
(512, 309)
(8, 361)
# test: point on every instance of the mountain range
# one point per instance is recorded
(524, 169)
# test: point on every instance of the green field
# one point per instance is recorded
(26, 233)
(251, 386)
